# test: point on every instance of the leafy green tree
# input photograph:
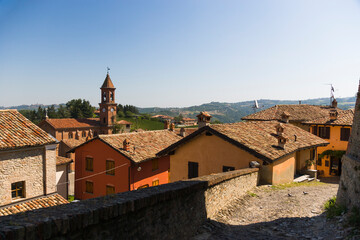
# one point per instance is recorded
(63, 112)
(51, 112)
(80, 108)
(179, 118)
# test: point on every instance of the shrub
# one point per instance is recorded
(333, 209)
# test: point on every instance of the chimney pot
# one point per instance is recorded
(166, 124)
(172, 127)
(285, 117)
(279, 129)
(281, 142)
(126, 145)
(182, 132)
(333, 114)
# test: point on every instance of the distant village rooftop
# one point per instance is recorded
(18, 132)
(259, 138)
(296, 113)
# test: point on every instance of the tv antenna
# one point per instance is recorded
(332, 90)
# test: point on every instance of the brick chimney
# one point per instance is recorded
(182, 132)
(281, 141)
(166, 124)
(126, 145)
(279, 129)
(203, 119)
(334, 103)
(285, 117)
(333, 114)
(172, 127)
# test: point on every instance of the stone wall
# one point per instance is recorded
(349, 188)
(50, 168)
(21, 165)
(171, 211)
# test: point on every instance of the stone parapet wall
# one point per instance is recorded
(170, 211)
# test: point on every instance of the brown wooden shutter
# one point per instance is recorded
(315, 132)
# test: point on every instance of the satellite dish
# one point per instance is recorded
(256, 106)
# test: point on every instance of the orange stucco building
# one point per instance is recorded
(117, 163)
(280, 150)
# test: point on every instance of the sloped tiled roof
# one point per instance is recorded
(73, 142)
(259, 138)
(60, 123)
(188, 119)
(62, 160)
(187, 130)
(344, 118)
(206, 114)
(16, 131)
(301, 112)
(146, 144)
(43, 202)
(107, 83)
(123, 122)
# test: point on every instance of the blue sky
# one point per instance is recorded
(177, 53)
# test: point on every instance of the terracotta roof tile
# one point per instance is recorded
(206, 114)
(260, 136)
(301, 112)
(72, 143)
(59, 123)
(188, 119)
(16, 131)
(146, 144)
(62, 160)
(42, 202)
(344, 118)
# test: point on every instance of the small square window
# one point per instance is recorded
(17, 190)
(327, 163)
(155, 182)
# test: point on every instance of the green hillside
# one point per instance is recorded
(142, 123)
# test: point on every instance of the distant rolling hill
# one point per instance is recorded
(224, 112)
(233, 112)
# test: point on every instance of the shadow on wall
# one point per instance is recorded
(169, 211)
(282, 228)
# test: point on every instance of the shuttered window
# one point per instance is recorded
(89, 164)
(110, 167)
(155, 164)
(324, 132)
(193, 170)
(110, 189)
(344, 134)
(314, 130)
(89, 188)
(312, 154)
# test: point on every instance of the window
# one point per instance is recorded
(89, 187)
(155, 182)
(326, 163)
(83, 134)
(104, 120)
(227, 168)
(324, 132)
(314, 130)
(17, 190)
(155, 164)
(70, 135)
(319, 161)
(193, 170)
(143, 186)
(312, 154)
(110, 189)
(110, 167)
(344, 134)
(89, 164)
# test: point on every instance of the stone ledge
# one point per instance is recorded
(66, 220)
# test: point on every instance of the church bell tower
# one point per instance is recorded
(107, 105)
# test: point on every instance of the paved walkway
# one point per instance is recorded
(277, 213)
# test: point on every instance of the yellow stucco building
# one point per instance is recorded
(280, 149)
(328, 122)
